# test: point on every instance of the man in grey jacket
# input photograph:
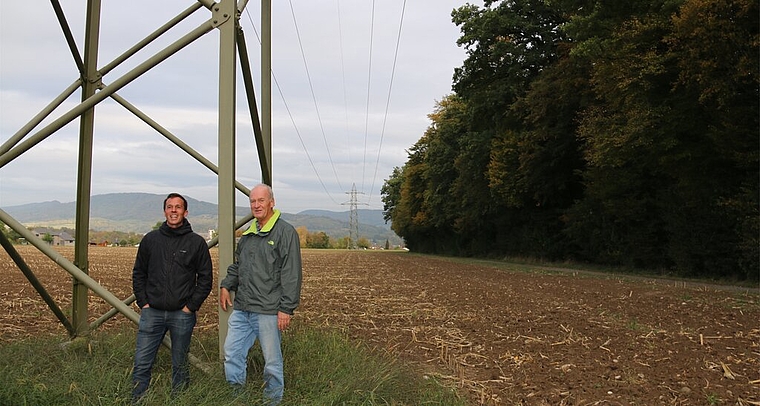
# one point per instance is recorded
(266, 278)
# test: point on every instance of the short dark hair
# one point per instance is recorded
(173, 195)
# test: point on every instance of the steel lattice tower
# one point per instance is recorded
(353, 219)
(96, 85)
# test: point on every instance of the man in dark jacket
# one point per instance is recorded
(171, 278)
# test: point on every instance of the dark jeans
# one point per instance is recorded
(153, 326)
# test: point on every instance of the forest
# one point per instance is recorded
(621, 133)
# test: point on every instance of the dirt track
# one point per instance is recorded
(503, 337)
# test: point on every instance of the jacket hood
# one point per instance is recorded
(183, 229)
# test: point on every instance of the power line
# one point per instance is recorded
(292, 120)
(343, 77)
(369, 83)
(313, 96)
(388, 100)
(367, 107)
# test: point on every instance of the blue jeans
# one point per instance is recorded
(153, 326)
(244, 329)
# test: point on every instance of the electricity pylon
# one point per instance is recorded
(353, 219)
(97, 85)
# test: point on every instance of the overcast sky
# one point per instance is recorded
(341, 115)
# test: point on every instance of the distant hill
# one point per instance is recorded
(139, 212)
(370, 217)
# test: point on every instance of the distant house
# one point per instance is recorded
(60, 238)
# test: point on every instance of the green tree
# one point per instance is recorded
(665, 148)
(716, 48)
(317, 240)
(420, 196)
(341, 243)
(363, 242)
(449, 126)
(409, 215)
(10, 233)
(508, 43)
(612, 132)
(444, 160)
(390, 193)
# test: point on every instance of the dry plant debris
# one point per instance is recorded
(501, 337)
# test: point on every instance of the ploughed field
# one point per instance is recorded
(511, 335)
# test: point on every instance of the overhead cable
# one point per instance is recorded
(292, 119)
(387, 101)
(313, 96)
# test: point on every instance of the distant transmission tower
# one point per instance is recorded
(353, 219)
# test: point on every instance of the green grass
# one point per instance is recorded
(321, 368)
(713, 399)
(634, 325)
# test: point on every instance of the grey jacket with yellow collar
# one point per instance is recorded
(266, 273)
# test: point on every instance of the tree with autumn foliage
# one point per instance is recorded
(621, 133)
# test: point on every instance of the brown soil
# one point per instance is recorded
(527, 335)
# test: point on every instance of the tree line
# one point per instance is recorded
(121, 238)
(612, 132)
(307, 239)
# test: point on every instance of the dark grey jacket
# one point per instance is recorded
(266, 273)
